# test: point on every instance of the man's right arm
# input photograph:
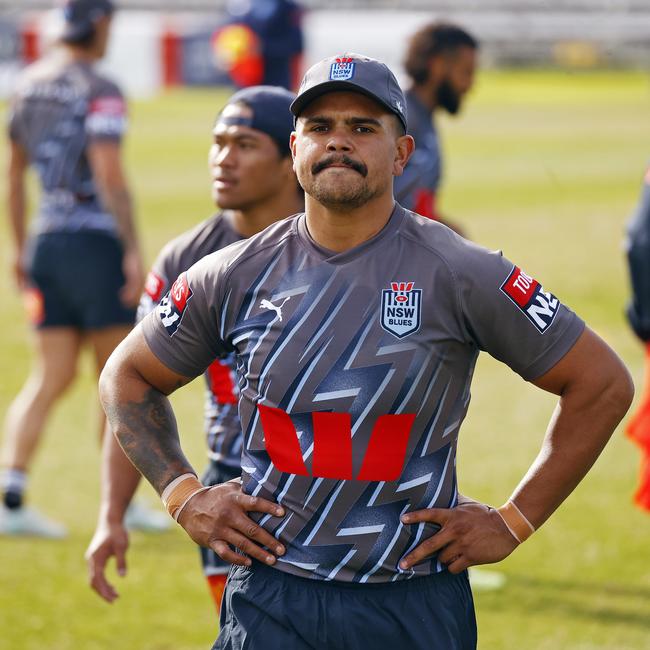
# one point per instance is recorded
(134, 386)
(105, 159)
(119, 478)
(16, 204)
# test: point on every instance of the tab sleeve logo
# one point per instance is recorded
(540, 307)
(342, 69)
(401, 309)
(173, 305)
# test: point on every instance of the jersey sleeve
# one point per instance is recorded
(107, 115)
(155, 287)
(183, 330)
(512, 316)
(638, 257)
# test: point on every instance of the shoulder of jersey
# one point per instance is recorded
(270, 237)
(440, 239)
(250, 249)
(103, 85)
(189, 242)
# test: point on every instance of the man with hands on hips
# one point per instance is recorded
(356, 327)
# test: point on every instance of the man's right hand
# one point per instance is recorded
(109, 540)
(217, 518)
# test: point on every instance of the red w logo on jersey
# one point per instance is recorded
(384, 459)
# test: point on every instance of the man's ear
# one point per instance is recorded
(405, 146)
(437, 68)
(292, 146)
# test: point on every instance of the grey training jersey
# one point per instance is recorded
(222, 425)
(416, 188)
(354, 372)
(57, 110)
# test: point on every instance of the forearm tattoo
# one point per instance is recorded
(147, 432)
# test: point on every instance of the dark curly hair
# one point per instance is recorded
(431, 40)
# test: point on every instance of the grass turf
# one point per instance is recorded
(545, 165)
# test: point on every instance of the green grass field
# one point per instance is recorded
(546, 166)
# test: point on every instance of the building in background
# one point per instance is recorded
(176, 46)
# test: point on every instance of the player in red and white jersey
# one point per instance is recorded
(356, 326)
(254, 184)
(80, 268)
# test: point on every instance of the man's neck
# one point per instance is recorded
(340, 231)
(426, 96)
(256, 218)
(79, 54)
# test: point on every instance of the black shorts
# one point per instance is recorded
(212, 564)
(75, 279)
(266, 609)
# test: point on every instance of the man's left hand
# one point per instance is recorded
(471, 533)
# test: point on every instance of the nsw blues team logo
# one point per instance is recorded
(401, 309)
(342, 69)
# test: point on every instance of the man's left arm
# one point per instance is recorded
(595, 392)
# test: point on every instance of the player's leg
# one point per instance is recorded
(57, 344)
(57, 352)
(428, 613)
(262, 609)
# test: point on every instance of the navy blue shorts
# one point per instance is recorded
(75, 279)
(266, 609)
(212, 564)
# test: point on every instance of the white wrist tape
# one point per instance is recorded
(176, 495)
(520, 528)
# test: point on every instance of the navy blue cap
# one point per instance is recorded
(270, 106)
(353, 72)
(80, 17)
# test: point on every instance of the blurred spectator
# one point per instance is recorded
(80, 268)
(638, 313)
(440, 61)
(261, 42)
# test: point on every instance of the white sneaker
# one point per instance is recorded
(482, 580)
(140, 516)
(29, 521)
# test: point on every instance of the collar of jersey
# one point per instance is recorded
(423, 117)
(332, 257)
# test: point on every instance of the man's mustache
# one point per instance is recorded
(339, 160)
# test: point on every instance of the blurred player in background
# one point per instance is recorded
(261, 43)
(254, 185)
(440, 61)
(356, 326)
(638, 312)
(80, 271)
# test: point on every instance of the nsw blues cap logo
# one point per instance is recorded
(352, 73)
(342, 69)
